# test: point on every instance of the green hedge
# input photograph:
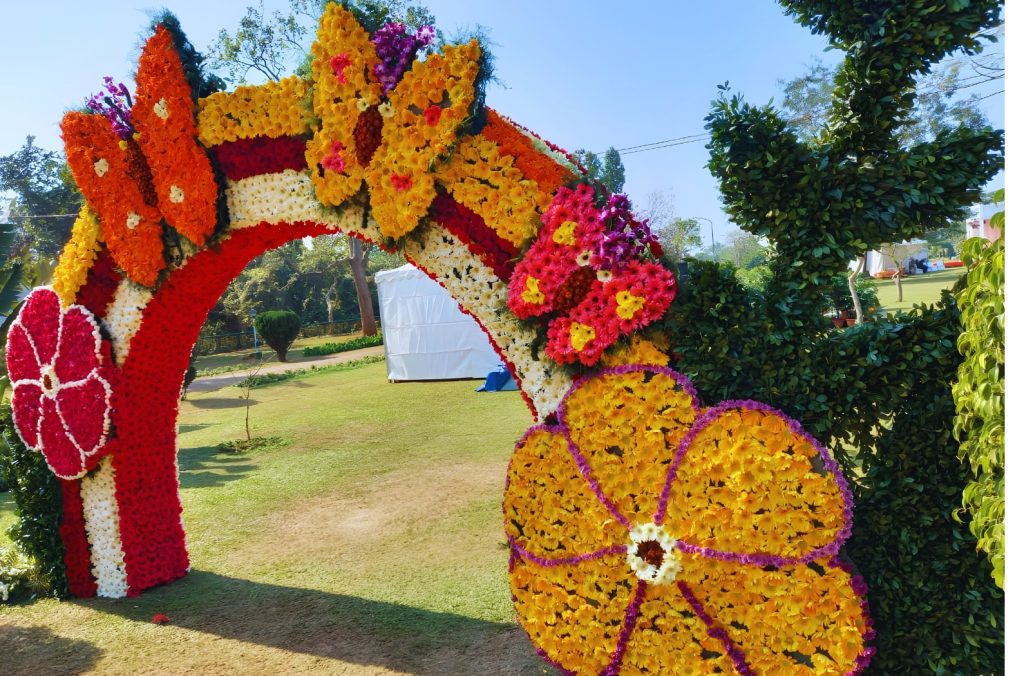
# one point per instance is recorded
(38, 505)
(344, 346)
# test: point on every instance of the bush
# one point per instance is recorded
(841, 301)
(344, 346)
(278, 329)
(39, 508)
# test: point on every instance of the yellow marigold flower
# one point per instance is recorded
(565, 234)
(78, 256)
(581, 334)
(623, 522)
(272, 109)
(627, 305)
(532, 293)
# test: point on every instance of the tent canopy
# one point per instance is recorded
(426, 335)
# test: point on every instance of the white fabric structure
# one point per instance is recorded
(879, 261)
(426, 335)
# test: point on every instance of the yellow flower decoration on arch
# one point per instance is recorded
(650, 536)
(417, 124)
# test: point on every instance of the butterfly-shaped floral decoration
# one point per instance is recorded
(381, 124)
(142, 169)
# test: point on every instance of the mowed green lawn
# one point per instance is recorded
(917, 289)
(370, 543)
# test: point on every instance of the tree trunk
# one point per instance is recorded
(852, 279)
(898, 278)
(357, 258)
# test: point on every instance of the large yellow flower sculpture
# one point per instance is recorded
(390, 139)
(650, 536)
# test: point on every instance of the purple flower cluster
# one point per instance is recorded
(115, 104)
(396, 49)
(625, 238)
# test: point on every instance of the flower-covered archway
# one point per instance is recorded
(645, 530)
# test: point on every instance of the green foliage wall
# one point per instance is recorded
(278, 329)
(39, 506)
(980, 391)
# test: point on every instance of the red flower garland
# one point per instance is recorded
(77, 565)
(261, 155)
(469, 227)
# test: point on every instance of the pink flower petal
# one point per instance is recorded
(26, 406)
(61, 454)
(76, 354)
(41, 318)
(21, 358)
(85, 408)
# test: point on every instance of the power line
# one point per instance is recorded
(666, 145)
(657, 143)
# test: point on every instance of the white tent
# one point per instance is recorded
(895, 256)
(426, 335)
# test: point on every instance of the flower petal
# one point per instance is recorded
(41, 318)
(750, 483)
(85, 409)
(800, 619)
(669, 637)
(21, 356)
(26, 406)
(550, 510)
(78, 351)
(60, 452)
(627, 422)
(574, 613)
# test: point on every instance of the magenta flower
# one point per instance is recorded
(60, 367)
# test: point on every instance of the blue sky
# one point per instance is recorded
(581, 74)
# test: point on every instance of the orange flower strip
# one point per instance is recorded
(649, 535)
(270, 110)
(100, 163)
(163, 116)
(536, 166)
(483, 179)
(78, 256)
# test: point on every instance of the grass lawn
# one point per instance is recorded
(239, 360)
(370, 543)
(926, 288)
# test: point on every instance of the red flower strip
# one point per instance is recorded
(145, 450)
(469, 227)
(261, 155)
(76, 546)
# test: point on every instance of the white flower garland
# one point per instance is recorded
(124, 316)
(103, 529)
(289, 197)
(479, 291)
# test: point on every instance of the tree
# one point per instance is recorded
(679, 237)
(614, 173)
(45, 200)
(608, 171)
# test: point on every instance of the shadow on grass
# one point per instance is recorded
(336, 626)
(37, 650)
(207, 467)
(221, 402)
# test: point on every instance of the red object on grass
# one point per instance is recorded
(160, 618)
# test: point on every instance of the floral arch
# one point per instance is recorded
(645, 530)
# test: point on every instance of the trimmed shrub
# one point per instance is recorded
(278, 329)
(39, 508)
(344, 346)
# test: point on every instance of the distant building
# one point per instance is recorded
(978, 224)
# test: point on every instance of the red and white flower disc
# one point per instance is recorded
(59, 365)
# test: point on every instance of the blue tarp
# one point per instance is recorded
(498, 380)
